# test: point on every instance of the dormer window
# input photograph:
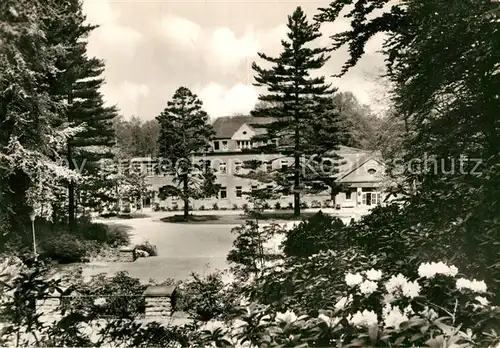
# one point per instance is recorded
(371, 171)
(244, 132)
(224, 144)
(216, 145)
(244, 144)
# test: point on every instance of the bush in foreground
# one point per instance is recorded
(313, 234)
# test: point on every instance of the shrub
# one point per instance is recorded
(64, 248)
(277, 206)
(370, 308)
(327, 203)
(315, 204)
(113, 235)
(156, 207)
(235, 207)
(98, 296)
(205, 298)
(147, 247)
(215, 206)
(223, 208)
(313, 234)
(266, 205)
(290, 205)
(202, 207)
(244, 207)
(303, 205)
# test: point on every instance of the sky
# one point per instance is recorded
(151, 48)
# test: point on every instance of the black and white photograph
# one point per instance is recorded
(250, 173)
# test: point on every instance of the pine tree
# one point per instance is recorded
(185, 131)
(28, 139)
(77, 84)
(298, 104)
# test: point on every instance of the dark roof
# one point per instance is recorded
(225, 127)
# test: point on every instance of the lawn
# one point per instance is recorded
(234, 219)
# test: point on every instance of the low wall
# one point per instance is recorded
(160, 303)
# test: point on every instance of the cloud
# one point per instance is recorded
(180, 30)
(110, 39)
(221, 101)
(220, 47)
(126, 96)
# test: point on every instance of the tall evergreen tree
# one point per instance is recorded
(185, 131)
(298, 103)
(28, 140)
(77, 84)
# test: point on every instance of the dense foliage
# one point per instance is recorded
(320, 232)
(302, 124)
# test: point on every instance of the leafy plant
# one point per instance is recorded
(65, 248)
(147, 247)
(319, 232)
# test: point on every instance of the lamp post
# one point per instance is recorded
(32, 218)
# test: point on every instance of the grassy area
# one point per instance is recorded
(235, 219)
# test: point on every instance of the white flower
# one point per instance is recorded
(393, 317)
(429, 313)
(395, 283)
(453, 271)
(353, 279)
(366, 318)
(429, 270)
(343, 302)
(99, 301)
(478, 286)
(388, 298)
(408, 310)
(411, 289)
(287, 317)
(474, 285)
(463, 283)
(482, 300)
(368, 287)
(373, 274)
(331, 322)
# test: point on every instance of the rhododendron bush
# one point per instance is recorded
(438, 308)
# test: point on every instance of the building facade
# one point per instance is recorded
(360, 172)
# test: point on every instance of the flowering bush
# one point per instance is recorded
(439, 308)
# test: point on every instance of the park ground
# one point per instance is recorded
(182, 248)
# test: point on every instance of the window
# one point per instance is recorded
(371, 198)
(284, 164)
(224, 144)
(216, 145)
(244, 144)
(255, 188)
(371, 171)
(269, 187)
(223, 168)
(223, 193)
(269, 167)
(239, 192)
(348, 195)
(237, 166)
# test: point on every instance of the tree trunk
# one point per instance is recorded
(296, 193)
(186, 197)
(71, 185)
(71, 192)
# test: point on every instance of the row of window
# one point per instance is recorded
(238, 191)
(240, 144)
